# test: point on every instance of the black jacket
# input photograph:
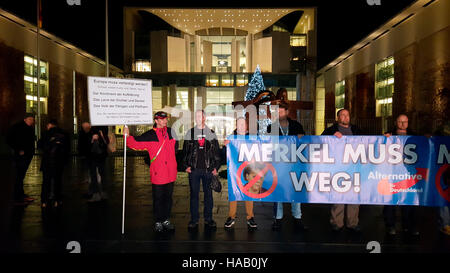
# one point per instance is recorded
(84, 143)
(334, 128)
(409, 132)
(191, 147)
(295, 128)
(55, 147)
(98, 149)
(21, 137)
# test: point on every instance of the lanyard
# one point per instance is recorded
(153, 159)
(282, 131)
(164, 133)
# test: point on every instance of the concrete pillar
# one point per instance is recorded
(173, 95)
(191, 98)
(187, 43)
(239, 93)
(248, 52)
(207, 56)
(235, 55)
(197, 54)
(164, 96)
(158, 47)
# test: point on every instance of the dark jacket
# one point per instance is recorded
(191, 147)
(55, 147)
(98, 149)
(21, 137)
(334, 128)
(393, 132)
(295, 128)
(84, 143)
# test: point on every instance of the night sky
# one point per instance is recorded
(341, 23)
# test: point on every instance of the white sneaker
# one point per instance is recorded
(96, 197)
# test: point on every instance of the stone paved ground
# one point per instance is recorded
(98, 226)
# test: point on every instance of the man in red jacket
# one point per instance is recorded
(161, 145)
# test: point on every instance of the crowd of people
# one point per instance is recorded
(201, 160)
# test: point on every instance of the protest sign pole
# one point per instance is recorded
(124, 179)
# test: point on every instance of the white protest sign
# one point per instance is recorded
(115, 101)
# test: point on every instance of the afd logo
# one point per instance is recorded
(374, 2)
(389, 188)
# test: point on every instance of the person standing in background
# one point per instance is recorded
(21, 138)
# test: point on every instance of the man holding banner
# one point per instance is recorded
(409, 213)
(160, 143)
(241, 129)
(287, 127)
(343, 127)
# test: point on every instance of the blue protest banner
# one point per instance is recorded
(396, 170)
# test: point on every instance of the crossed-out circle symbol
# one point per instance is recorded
(444, 193)
(245, 189)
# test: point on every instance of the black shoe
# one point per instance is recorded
(159, 227)
(415, 232)
(356, 228)
(19, 203)
(391, 231)
(167, 225)
(276, 224)
(211, 224)
(336, 228)
(229, 222)
(193, 225)
(300, 225)
(251, 223)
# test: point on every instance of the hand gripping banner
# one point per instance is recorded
(378, 170)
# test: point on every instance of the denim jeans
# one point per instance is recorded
(97, 165)
(21, 163)
(278, 210)
(194, 184)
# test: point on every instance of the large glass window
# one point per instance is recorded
(227, 80)
(292, 93)
(218, 104)
(30, 85)
(339, 94)
(142, 66)
(219, 96)
(183, 99)
(384, 87)
(212, 80)
(298, 40)
(241, 79)
(221, 52)
(156, 99)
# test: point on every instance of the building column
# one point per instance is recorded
(248, 52)
(198, 54)
(207, 56)
(164, 96)
(187, 45)
(235, 56)
(173, 95)
(191, 97)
